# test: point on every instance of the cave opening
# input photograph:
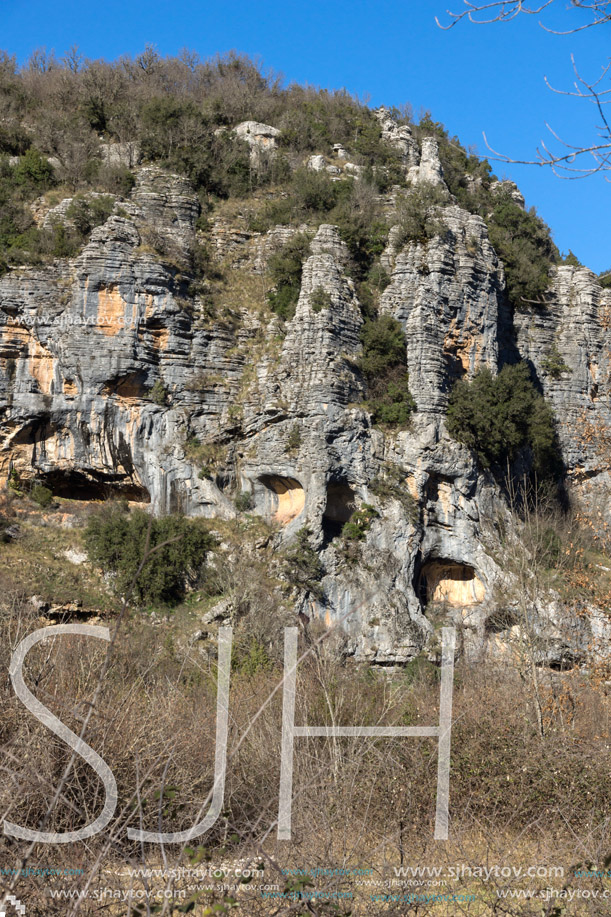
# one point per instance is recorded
(280, 498)
(455, 583)
(338, 510)
(75, 485)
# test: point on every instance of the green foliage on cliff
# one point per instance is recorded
(498, 416)
(359, 523)
(418, 220)
(118, 541)
(384, 365)
(520, 238)
(285, 267)
(181, 112)
(524, 244)
(553, 363)
(303, 566)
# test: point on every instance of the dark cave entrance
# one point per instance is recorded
(75, 485)
(338, 510)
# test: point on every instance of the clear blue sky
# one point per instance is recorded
(473, 79)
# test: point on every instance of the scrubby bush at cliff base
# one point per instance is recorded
(117, 541)
(41, 495)
(498, 416)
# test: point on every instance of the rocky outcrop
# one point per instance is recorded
(448, 293)
(261, 138)
(429, 170)
(398, 135)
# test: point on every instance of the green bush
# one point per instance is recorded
(285, 268)
(302, 564)
(88, 212)
(417, 219)
(41, 495)
(605, 279)
(293, 440)
(158, 393)
(571, 259)
(384, 365)
(116, 541)
(359, 523)
(33, 171)
(553, 363)
(361, 226)
(524, 244)
(315, 192)
(497, 416)
(384, 346)
(243, 501)
(320, 299)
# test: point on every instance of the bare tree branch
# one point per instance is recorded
(573, 160)
(505, 10)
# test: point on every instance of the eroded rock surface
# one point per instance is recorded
(113, 367)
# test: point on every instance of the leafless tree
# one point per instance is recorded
(568, 160)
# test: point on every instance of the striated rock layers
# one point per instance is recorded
(115, 372)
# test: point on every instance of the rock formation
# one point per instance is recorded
(112, 365)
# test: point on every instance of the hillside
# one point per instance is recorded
(349, 373)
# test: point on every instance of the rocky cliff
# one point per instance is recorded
(120, 377)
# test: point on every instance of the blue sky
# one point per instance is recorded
(473, 79)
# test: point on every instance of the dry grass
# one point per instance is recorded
(517, 799)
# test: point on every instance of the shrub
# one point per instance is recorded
(158, 394)
(33, 171)
(524, 244)
(359, 523)
(383, 363)
(320, 299)
(391, 484)
(243, 501)
(316, 192)
(88, 212)
(116, 541)
(209, 456)
(497, 416)
(417, 220)
(362, 226)
(605, 279)
(285, 267)
(41, 495)
(293, 440)
(571, 259)
(553, 363)
(302, 564)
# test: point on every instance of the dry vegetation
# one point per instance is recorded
(520, 795)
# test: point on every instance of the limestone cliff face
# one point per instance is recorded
(113, 364)
(569, 344)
